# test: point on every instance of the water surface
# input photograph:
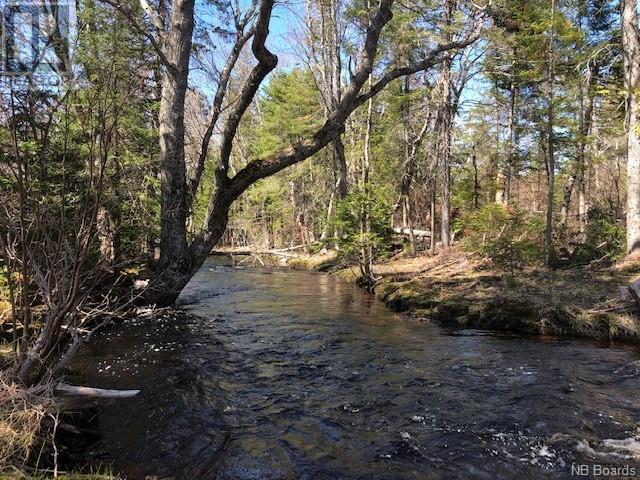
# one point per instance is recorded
(301, 375)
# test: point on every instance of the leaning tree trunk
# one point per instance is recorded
(166, 286)
(631, 48)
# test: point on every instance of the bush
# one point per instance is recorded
(504, 234)
(603, 238)
(348, 222)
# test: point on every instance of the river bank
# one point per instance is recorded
(461, 290)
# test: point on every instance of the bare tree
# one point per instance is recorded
(46, 247)
(551, 161)
(326, 58)
(631, 49)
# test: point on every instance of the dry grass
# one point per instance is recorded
(22, 411)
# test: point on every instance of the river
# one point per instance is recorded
(277, 375)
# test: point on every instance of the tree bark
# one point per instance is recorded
(446, 125)
(174, 190)
(566, 197)
(342, 184)
(366, 251)
(503, 191)
(551, 164)
(432, 217)
(631, 53)
(476, 181)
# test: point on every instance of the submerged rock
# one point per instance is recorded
(254, 459)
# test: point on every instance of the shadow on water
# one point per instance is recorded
(300, 375)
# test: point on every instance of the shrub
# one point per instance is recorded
(603, 238)
(352, 238)
(504, 234)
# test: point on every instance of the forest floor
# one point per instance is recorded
(463, 290)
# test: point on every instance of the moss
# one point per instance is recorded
(385, 289)
(498, 307)
(422, 313)
(298, 263)
(463, 320)
(452, 309)
(404, 297)
(351, 275)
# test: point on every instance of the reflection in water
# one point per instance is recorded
(299, 375)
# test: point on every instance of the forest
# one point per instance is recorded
(472, 162)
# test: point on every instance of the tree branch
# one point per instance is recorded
(153, 15)
(241, 39)
(434, 57)
(229, 189)
(267, 61)
(351, 99)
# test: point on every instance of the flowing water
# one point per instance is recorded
(300, 375)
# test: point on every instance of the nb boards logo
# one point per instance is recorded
(603, 471)
(35, 37)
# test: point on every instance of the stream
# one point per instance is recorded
(285, 375)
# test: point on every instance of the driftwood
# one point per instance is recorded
(417, 233)
(241, 253)
(79, 391)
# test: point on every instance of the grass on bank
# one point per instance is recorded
(22, 412)
(472, 292)
(26, 424)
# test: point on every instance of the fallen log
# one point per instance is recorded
(231, 252)
(249, 253)
(417, 233)
(80, 391)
